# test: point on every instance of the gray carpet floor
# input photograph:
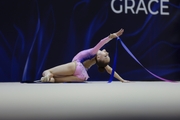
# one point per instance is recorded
(91, 100)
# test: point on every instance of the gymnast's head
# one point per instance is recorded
(102, 59)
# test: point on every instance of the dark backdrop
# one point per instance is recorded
(39, 34)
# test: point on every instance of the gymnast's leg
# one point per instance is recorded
(67, 69)
(71, 78)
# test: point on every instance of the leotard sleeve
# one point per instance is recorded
(95, 49)
(90, 53)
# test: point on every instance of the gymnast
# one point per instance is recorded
(76, 71)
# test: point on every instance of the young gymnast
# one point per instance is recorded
(76, 71)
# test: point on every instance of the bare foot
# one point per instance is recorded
(47, 79)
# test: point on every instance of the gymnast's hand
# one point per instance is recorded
(117, 34)
(125, 81)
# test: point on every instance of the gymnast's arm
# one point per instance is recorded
(109, 70)
(102, 42)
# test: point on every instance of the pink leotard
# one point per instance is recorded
(84, 55)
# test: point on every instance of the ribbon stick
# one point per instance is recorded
(127, 50)
(114, 65)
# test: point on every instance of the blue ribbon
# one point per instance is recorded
(114, 64)
(129, 52)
